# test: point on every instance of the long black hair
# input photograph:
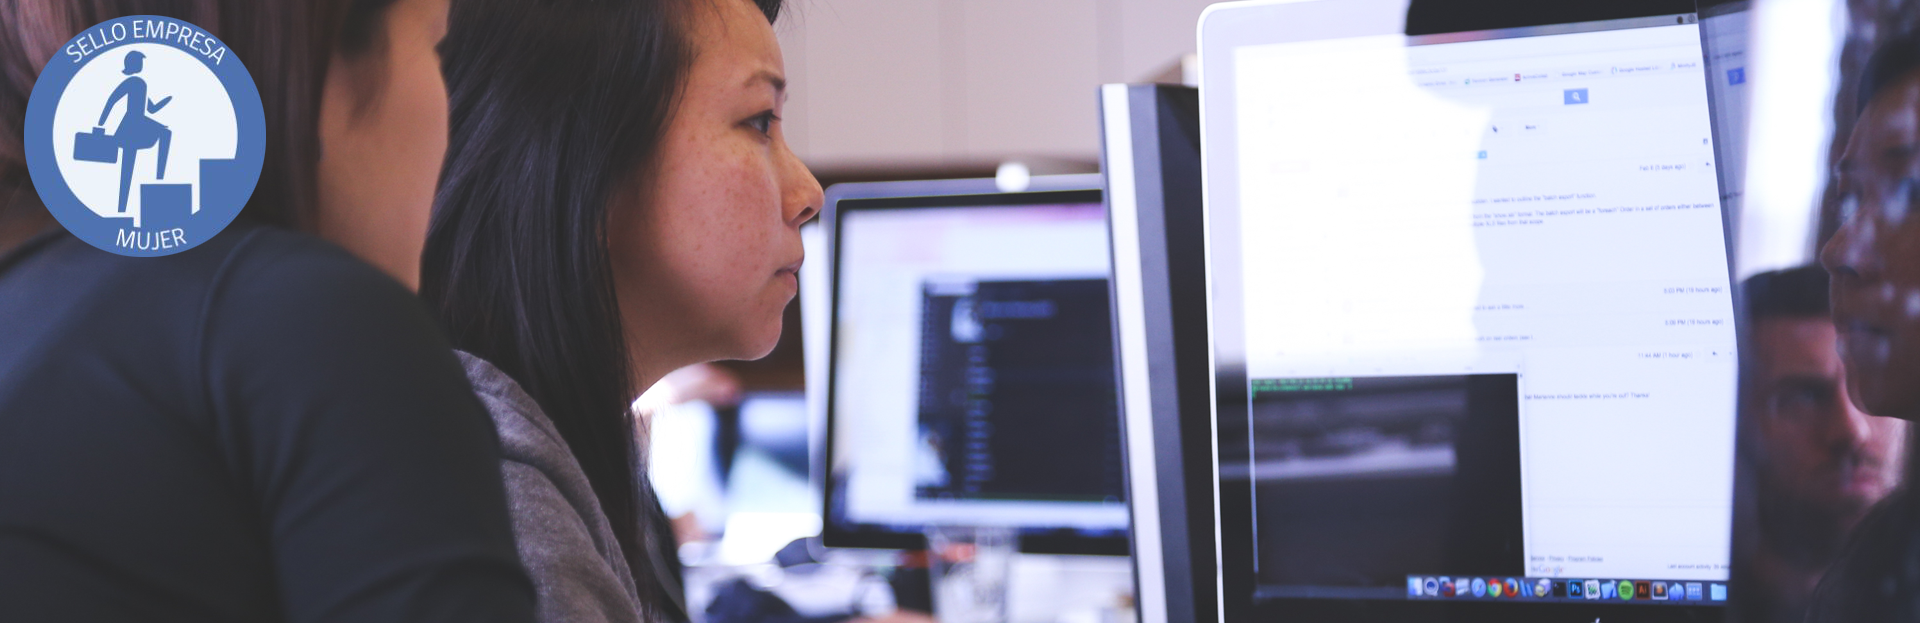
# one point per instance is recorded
(1891, 61)
(555, 107)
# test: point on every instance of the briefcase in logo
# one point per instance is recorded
(95, 146)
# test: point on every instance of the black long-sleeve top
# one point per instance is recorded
(261, 428)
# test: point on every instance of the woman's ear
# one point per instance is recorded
(383, 136)
(353, 85)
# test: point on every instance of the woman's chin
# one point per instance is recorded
(758, 345)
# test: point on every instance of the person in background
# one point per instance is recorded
(264, 427)
(619, 201)
(1820, 463)
(721, 391)
(1874, 260)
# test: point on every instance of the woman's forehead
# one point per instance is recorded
(1887, 130)
(735, 49)
(733, 26)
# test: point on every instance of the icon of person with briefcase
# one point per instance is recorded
(137, 131)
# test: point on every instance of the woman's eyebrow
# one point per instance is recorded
(778, 82)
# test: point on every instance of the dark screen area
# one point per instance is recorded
(1428, 17)
(1359, 482)
(1017, 391)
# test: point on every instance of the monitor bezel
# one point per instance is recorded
(1150, 156)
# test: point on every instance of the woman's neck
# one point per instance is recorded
(647, 371)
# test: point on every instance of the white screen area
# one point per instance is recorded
(891, 261)
(1544, 206)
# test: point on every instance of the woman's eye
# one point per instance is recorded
(763, 122)
(1901, 201)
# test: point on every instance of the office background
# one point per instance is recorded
(936, 89)
(933, 89)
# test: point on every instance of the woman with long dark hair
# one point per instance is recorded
(618, 202)
(264, 427)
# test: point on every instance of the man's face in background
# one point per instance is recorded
(1822, 457)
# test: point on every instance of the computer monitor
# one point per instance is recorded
(971, 375)
(1472, 315)
(1151, 145)
(816, 322)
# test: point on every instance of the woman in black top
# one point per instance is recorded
(619, 201)
(261, 428)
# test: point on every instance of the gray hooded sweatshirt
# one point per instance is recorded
(578, 572)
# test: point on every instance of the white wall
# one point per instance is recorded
(905, 84)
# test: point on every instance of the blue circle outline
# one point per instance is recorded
(249, 119)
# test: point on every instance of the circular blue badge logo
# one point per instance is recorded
(145, 135)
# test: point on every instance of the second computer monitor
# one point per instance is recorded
(971, 375)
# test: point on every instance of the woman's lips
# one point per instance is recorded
(1861, 340)
(789, 274)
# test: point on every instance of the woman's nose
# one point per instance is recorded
(801, 195)
(1850, 253)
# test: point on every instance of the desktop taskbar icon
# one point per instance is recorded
(1457, 587)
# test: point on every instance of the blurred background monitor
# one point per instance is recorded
(970, 372)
